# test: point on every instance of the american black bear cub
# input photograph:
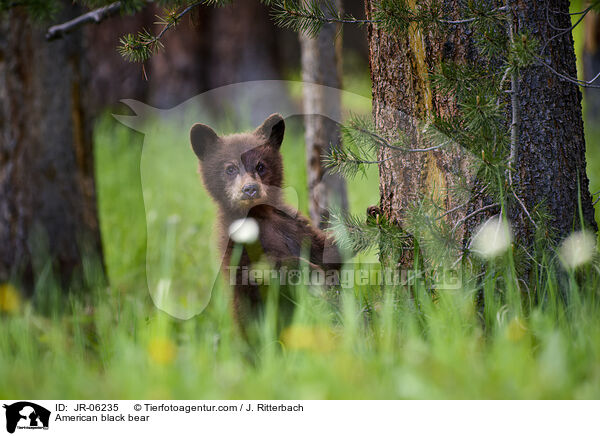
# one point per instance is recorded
(244, 173)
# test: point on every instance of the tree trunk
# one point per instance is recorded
(48, 219)
(322, 64)
(550, 166)
(179, 72)
(403, 99)
(243, 44)
(209, 48)
(112, 78)
(550, 152)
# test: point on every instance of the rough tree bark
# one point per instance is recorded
(550, 166)
(322, 64)
(551, 151)
(403, 98)
(47, 195)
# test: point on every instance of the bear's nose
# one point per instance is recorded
(250, 190)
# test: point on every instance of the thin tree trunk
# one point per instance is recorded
(322, 64)
(550, 166)
(48, 219)
(243, 44)
(591, 67)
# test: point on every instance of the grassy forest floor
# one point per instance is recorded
(368, 344)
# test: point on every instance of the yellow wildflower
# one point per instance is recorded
(10, 300)
(308, 338)
(515, 330)
(162, 350)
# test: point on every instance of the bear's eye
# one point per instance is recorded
(231, 170)
(260, 168)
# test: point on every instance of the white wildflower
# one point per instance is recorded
(244, 231)
(492, 238)
(578, 249)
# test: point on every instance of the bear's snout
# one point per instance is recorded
(250, 191)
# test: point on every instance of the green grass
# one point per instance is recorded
(403, 342)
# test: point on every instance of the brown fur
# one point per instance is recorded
(284, 235)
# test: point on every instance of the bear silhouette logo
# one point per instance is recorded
(26, 415)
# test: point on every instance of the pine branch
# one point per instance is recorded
(309, 16)
(568, 30)
(463, 204)
(472, 19)
(525, 209)
(514, 94)
(392, 16)
(355, 234)
(95, 16)
(360, 126)
(360, 142)
(575, 81)
(386, 144)
(474, 213)
(501, 87)
(575, 13)
(140, 47)
(348, 162)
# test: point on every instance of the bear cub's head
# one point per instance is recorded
(243, 170)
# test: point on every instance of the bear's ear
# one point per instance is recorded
(273, 129)
(203, 139)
